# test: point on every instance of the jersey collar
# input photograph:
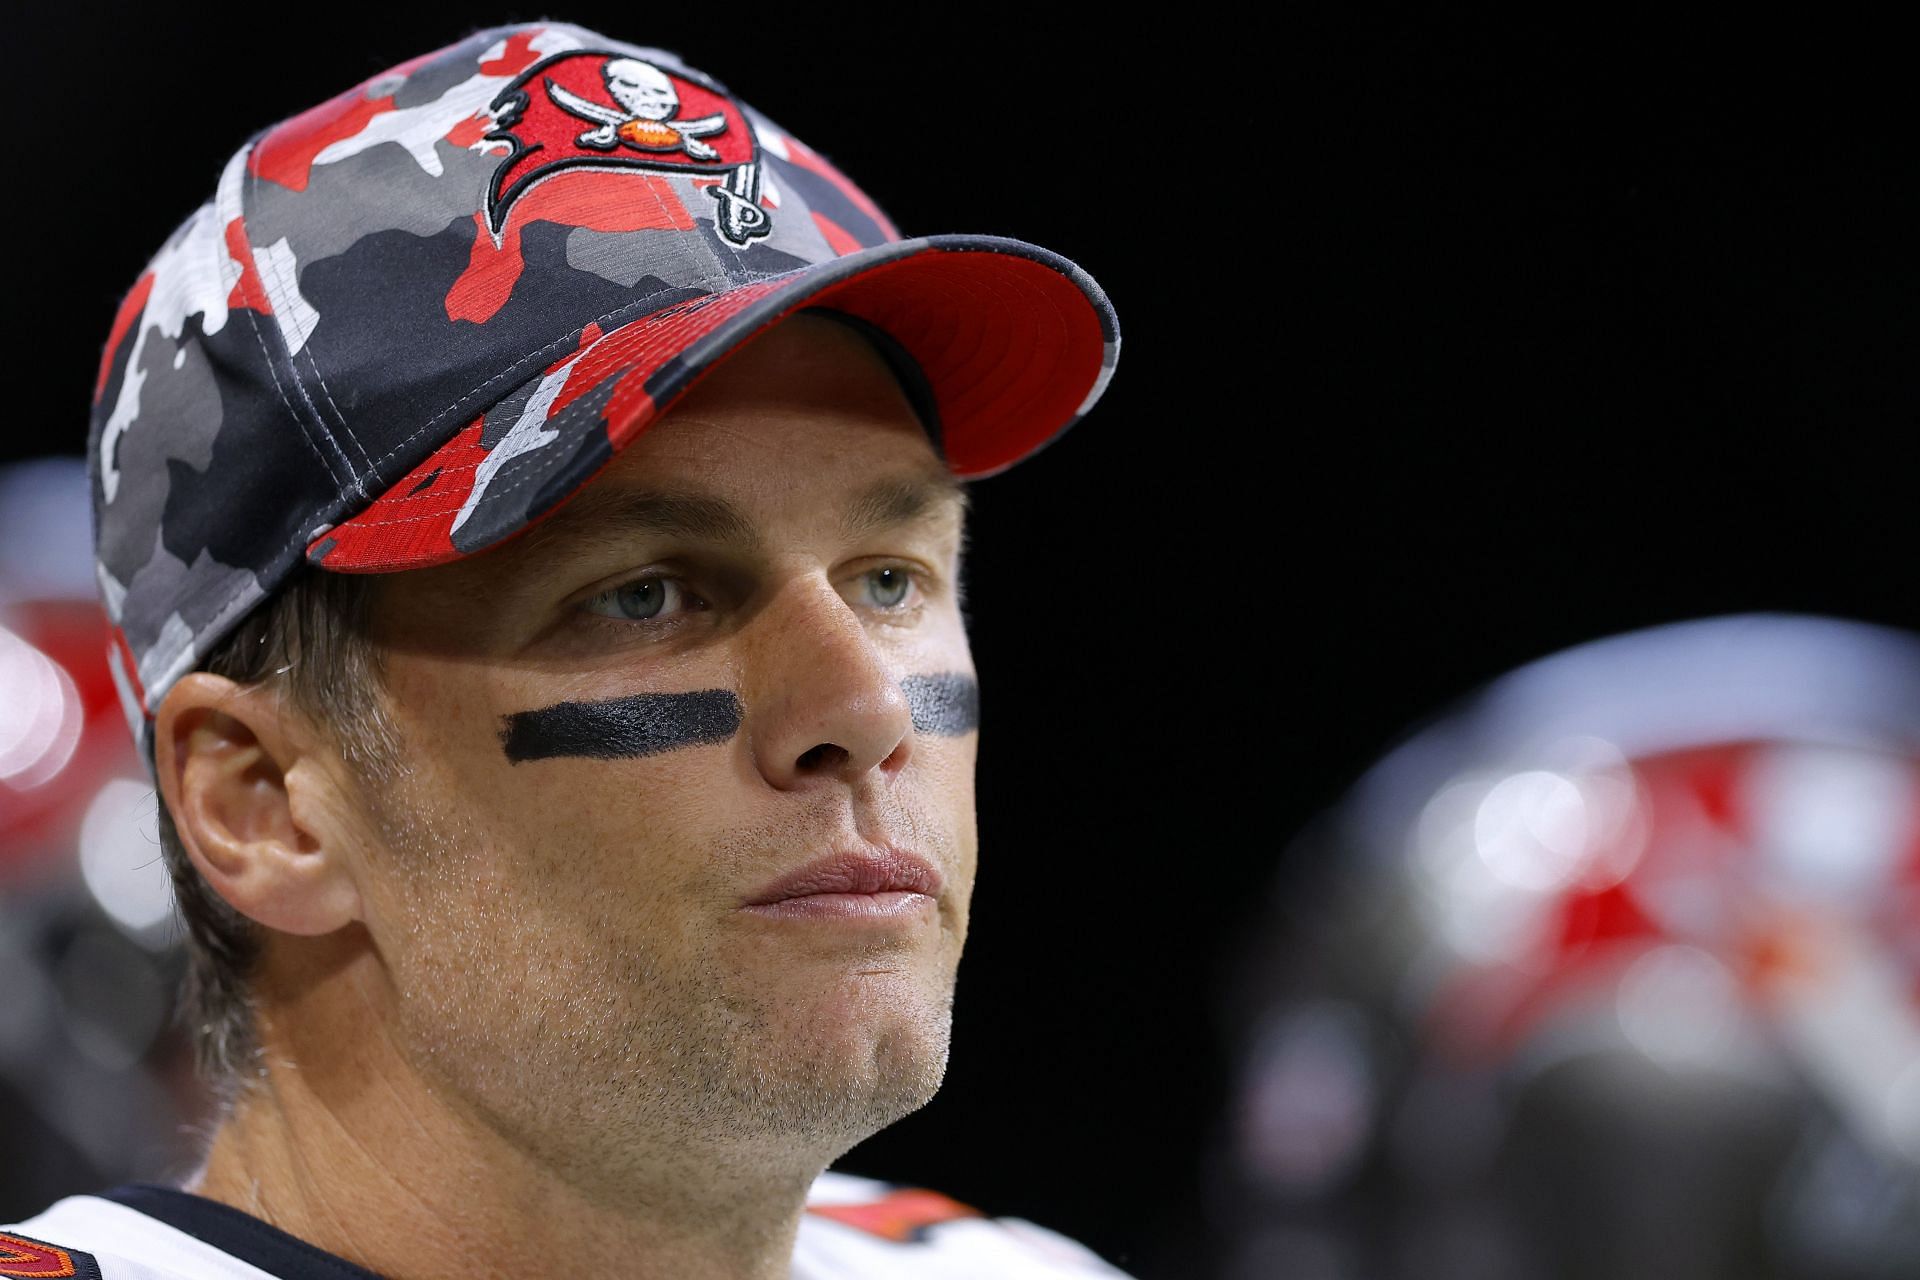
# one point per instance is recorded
(236, 1233)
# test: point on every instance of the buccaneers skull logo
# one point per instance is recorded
(645, 120)
(637, 116)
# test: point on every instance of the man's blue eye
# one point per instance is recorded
(635, 601)
(890, 586)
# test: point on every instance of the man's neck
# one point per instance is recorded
(339, 1143)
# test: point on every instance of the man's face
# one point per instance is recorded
(561, 918)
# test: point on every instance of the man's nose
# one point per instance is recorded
(822, 701)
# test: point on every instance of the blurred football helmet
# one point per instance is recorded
(1613, 971)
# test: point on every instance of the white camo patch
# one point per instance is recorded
(529, 432)
(192, 275)
(419, 128)
(278, 275)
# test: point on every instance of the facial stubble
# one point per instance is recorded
(611, 1038)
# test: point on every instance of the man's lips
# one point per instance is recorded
(867, 882)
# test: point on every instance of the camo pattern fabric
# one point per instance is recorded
(415, 318)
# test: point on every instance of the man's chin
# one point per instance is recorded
(842, 1069)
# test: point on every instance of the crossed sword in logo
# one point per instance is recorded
(741, 218)
(612, 122)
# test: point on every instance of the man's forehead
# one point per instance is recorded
(689, 507)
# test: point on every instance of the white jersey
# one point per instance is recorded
(853, 1229)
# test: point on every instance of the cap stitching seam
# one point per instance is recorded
(327, 391)
(306, 435)
(278, 301)
(253, 321)
(543, 353)
(605, 414)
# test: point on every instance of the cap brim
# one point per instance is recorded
(1016, 343)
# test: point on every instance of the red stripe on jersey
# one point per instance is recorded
(900, 1216)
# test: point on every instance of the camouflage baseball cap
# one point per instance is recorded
(418, 317)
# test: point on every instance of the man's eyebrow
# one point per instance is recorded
(898, 500)
(695, 516)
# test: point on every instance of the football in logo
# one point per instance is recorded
(615, 111)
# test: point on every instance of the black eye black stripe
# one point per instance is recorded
(948, 705)
(646, 724)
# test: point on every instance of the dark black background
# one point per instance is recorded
(1444, 347)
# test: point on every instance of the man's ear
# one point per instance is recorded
(260, 817)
